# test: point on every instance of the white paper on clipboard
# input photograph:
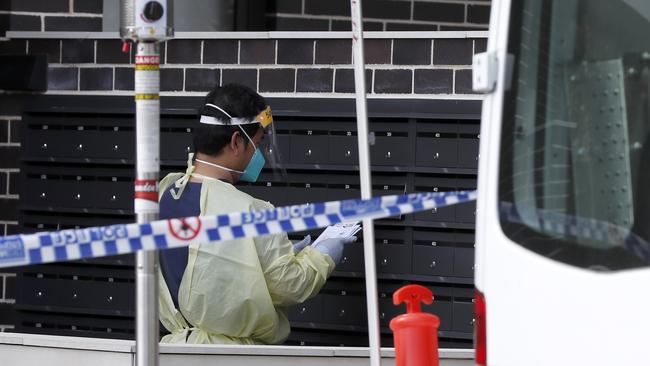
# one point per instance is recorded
(340, 230)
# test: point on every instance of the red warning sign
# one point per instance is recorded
(184, 229)
(146, 189)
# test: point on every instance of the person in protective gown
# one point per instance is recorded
(237, 291)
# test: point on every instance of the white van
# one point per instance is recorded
(563, 215)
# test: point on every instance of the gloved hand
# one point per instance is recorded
(334, 247)
(298, 246)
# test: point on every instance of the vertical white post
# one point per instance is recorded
(366, 185)
(147, 107)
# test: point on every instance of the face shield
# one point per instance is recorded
(268, 146)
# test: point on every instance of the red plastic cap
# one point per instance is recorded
(412, 295)
(126, 47)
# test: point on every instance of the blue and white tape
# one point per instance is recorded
(74, 244)
(565, 225)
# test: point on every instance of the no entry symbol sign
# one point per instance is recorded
(184, 229)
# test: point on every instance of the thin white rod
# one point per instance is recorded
(147, 106)
(366, 186)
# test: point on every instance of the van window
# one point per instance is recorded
(575, 147)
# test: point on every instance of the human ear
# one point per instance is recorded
(236, 142)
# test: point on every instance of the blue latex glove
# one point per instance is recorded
(298, 246)
(334, 247)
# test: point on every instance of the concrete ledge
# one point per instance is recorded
(259, 35)
(32, 349)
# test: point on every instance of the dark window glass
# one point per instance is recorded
(575, 148)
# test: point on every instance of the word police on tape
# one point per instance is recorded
(73, 244)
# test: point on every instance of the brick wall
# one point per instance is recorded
(50, 15)
(9, 148)
(9, 169)
(301, 67)
(28, 15)
(7, 289)
(379, 15)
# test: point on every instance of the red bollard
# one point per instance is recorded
(415, 333)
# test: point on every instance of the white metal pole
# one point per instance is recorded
(366, 185)
(147, 102)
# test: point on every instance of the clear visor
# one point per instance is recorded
(274, 167)
(275, 162)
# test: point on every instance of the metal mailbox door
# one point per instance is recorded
(309, 147)
(391, 147)
(343, 148)
(466, 212)
(437, 145)
(468, 143)
(432, 183)
(433, 253)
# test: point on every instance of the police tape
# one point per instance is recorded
(596, 233)
(94, 242)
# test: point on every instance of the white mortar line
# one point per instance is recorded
(270, 66)
(8, 141)
(332, 18)
(202, 45)
(471, 2)
(453, 82)
(238, 52)
(276, 51)
(184, 77)
(267, 35)
(382, 96)
(61, 15)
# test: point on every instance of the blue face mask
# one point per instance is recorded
(254, 167)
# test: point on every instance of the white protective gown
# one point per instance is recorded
(236, 292)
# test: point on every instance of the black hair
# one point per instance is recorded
(237, 100)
